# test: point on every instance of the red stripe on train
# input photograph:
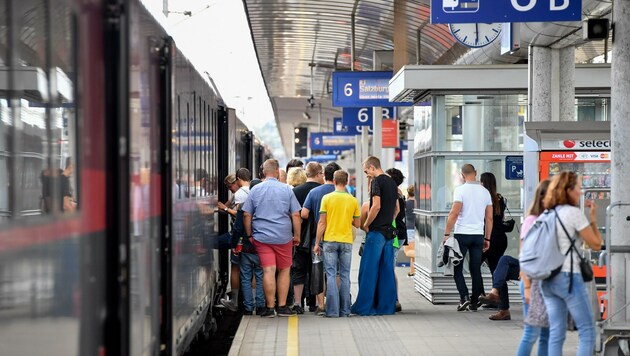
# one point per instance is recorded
(90, 218)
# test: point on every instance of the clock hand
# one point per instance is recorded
(476, 33)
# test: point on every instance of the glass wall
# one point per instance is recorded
(459, 129)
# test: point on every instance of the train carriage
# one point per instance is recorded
(111, 158)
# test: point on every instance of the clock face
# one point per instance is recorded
(475, 34)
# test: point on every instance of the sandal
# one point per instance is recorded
(410, 274)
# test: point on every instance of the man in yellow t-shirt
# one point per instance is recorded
(338, 213)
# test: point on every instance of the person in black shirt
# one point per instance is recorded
(401, 223)
(377, 286)
(302, 256)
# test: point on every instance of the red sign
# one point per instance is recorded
(390, 134)
(576, 156)
(398, 155)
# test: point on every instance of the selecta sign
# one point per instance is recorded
(575, 145)
(585, 144)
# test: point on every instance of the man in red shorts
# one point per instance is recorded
(272, 220)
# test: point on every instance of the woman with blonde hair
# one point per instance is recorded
(296, 176)
(566, 291)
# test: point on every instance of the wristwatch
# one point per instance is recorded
(225, 209)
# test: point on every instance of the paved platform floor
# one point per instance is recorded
(420, 329)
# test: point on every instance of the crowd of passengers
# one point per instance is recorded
(287, 221)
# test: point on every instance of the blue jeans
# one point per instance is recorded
(337, 300)
(474, 244)
(507, 269)
(558, 301)
(250, 266)
(377, 284)
(531, 333)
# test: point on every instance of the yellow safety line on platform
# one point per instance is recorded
(292, 336)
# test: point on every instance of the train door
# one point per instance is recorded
(145, 186)
(168, 192)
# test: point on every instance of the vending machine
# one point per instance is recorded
(583, 148)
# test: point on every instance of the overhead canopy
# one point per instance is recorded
(415, 83)
(294, 37)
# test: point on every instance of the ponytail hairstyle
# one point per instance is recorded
(490, 182)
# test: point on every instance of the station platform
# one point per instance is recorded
(421, 328)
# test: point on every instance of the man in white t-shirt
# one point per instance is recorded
(470, 219)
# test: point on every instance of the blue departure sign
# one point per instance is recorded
(330, 141)
(514, 167)
(489, 11)
(362, 89)
(364, 116)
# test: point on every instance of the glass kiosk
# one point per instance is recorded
(457, 129)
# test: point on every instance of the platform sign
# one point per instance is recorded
(390, 134)
(489, 11)
(362, 89)
(514, 167)
(404, 145)
(365, 116)
(322, 158)
(330, 141)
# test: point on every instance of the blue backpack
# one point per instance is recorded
(541, 257)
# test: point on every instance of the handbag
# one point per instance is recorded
(508, 225)
(586, 269)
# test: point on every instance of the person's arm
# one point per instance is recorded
(374, 209)
(397, 209)
(591, 234)
(452, 218)
(356, 222)
(321, 228)
(297, 227)
(364, 213)
(247, 222)
(488, 232)
(304, 213)
(224, 208)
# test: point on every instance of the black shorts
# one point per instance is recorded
(301, 266)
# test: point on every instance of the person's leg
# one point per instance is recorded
(368, 274)
(411, 240)
(499, 278)
(258, 272)
(235, 280)
(386, 282)
(553, 291)
(345, 263)
(284, 259)
(458, 272)
(578, 305)
(475, 250)
(330, 267)
(247, 270)
(543, 342)
(269, 285)
(268, 264)
(530, 333)
(301, 260)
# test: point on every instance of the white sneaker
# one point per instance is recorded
(229, 304)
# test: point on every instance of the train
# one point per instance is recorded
(113, 150)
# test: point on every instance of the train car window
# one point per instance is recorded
(177, 141)
(38, 125)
